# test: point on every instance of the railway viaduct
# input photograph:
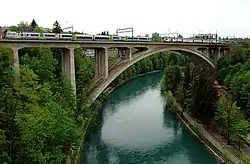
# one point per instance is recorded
(128, 54)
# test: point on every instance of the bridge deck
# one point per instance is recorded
(110, 42)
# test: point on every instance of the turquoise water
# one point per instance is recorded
(134, 128)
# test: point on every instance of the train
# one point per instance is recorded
(69, 36)
(190, 40)
(89, 37)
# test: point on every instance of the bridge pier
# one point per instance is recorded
(207, 52)
(214, 53)
(68, 66)
(211, 54)
(101, 62)
(15, 62)
(218, 53)
(125, 53)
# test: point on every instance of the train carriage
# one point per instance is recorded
(84, 37)
(101, 37)
(29, 36)
(50, 36)
(12, 35)
(66, 36)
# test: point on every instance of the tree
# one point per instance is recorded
(24, 27)
(187, 95)
(57, 28)
(228, 115)
(21, 27)
(33, 25)
(172, 78)
(241, 130)
(43, 64)
(8, 129)
(233, 73)
(180, 36)
(203, 94)
(38, 29)
(156, 37)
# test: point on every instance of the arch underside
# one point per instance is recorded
(114, 73)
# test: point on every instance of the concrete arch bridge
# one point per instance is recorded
(128, 54)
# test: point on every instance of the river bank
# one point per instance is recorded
(215, 147)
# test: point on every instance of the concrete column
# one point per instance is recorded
(130, 53)
(213, 55)
(210, 53)
(68, 66)
(207, 52)
(222, 52)
(218, 53)
(125, 53)
(106, 63)
(96, 65)
(121, 53)
(101, 65)
(15, 63)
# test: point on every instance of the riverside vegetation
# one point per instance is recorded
(225, 109)
(41, 119)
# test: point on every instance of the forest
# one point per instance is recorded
(220, 102)
(41, 119)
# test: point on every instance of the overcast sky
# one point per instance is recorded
(228, 17)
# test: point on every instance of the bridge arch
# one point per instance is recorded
(114, 73)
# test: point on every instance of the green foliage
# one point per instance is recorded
(24, 27)
(84, 75)
(234, 72)
(7, 107)
(171, 103)
(191, 85)
(198, 129)
(84, 70)
(46, 131)
(187, 89)
(172, 78)
(4, 157)
(204, 96)
(241, 128)
(57, 28)
(42, 63)
(33, 24)
(156, 37)
(39, 123)
(230, 118)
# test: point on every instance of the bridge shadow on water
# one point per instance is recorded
(180, 145)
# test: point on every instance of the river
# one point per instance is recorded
(134, 128)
